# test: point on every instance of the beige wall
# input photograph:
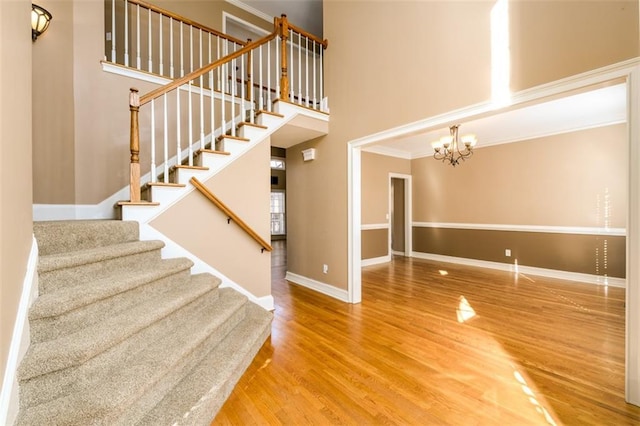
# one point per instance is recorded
(401, 62)
(15, 163)
(244, 187)
(375, 185)
(562, 180)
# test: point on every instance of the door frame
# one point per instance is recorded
(408, 241)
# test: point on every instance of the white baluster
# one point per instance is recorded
(181, 50)
(190, 48)
(166, 141)
(178, 130)
(223, 104)
(190, 110)
(161, 70)
(306, 70)
(278, 68)
(252, 115)
(171, 47)
(315, 105)
(323, 106)
(291, 79)
(233, 95)
(268, 75)
(150, 45)
(153, 140)
(113, 31)
(299, 69)
(260, 85)
(138, 58)
(211, 99)
(219, 71)
(243, 74)
(201, 94)
(126, 33)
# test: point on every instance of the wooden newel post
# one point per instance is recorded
(134, 146)
(284, 79)
(249, 81)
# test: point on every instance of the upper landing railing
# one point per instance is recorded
(170, 124)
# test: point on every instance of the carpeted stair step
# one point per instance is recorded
(70, 309)
(127, 381)
(199, 396)
(74, 349)
(73, 235)
(70, 269)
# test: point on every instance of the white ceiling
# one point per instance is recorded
(305, 14)
(594, 108)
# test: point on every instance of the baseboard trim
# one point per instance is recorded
(103, 210)
(173, 249)
(320, 287)
(526, 270)
(19, 341)
(376, 260)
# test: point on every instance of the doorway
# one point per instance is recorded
(399, 215)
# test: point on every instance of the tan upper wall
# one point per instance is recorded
(16, 228)
(391, 63)
(573, 179)
(375, 185)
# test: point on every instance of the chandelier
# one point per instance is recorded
(451, 149)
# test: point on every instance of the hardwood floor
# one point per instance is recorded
(435, 343)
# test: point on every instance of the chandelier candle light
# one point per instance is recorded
(448, 149)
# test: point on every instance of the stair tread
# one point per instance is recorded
(199, 395)
(213, 151)
(165, 184)
(73, 349)
(275, 114)
(70, 298)
(138, 371)
(98, 254)
(235, 138)
(59, 235)
(248, 124)
(189, 167)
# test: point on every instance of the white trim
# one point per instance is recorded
(134, 73)
(173, 249)
(399, 253)
(354, 224)
(583, 230)
(251, 10)
(242, 23)
(20, 340)
(632, 354)
(628, 70)
(372, 226)
(376, 260)
(520, 269)
(320, 287)
(389, 152)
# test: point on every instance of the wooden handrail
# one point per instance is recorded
(187, 21)
(230, 214)
(202, 71)
(300, 31)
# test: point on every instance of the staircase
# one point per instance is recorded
(120, 336)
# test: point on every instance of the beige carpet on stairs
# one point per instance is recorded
(120, 336)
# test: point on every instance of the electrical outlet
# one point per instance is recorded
(507, 252)
(325, 268)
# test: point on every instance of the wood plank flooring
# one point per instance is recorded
(434, 343)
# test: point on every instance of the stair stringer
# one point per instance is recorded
(169, 196)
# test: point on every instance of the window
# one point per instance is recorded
(277, 163)
(277, 213)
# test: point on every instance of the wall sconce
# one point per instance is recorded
(40, 19)
(309, 154)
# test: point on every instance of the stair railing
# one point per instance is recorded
(195, 109)
(148, 38)
(231, 216)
